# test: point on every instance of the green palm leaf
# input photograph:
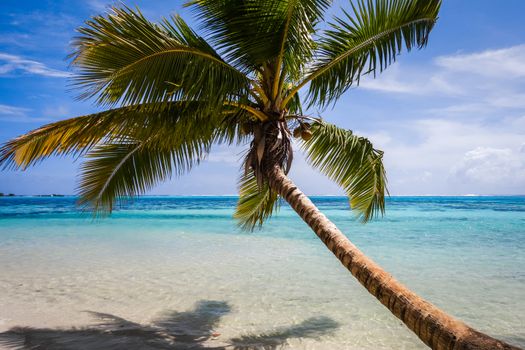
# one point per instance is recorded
(72, 136)
(353, 163)
(126, 58)
(295, 37)
(142, 158)
(129, 149)
(76, 136)
(257, 34)
(364, 41)
(123, 170)
(256, 203)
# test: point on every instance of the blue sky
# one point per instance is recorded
(450, 118)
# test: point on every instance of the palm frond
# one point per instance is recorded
(77, 136)
(255, 32)
(72, 136)
(132, 165)
(365, 41)
(256, 202)
(353, 163)
(124, 58)
(121, 170)
(295, 105)
(296, 42)
(229, 128)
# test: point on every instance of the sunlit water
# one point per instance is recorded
(170, 271)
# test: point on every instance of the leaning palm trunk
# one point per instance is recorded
(434, 327)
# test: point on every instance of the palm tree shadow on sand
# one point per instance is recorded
(173, 330)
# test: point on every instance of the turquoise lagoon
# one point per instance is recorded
(176, 272)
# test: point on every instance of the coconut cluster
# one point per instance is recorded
(303, 131)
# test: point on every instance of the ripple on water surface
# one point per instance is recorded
(167, 271)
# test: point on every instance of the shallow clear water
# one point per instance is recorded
(169, 271)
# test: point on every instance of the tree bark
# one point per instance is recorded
(434, 327)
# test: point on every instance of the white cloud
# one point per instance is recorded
(457, 124)
(14, 39)
(501, 64)
(39, 20)
(11, 111)
(57, 112)
(489, 166)
(509, 100)
(12, 64)
(492, 78)
(411, 81)
(40, 31)
(99, 6)
(226, 155)
(391, 83)
(17, 114)
(439, 156)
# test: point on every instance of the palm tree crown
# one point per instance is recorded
(172, 93)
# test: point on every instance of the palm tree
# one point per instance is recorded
(172, 94)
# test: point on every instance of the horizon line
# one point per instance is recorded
(10, 195)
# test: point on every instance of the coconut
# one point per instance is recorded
(306, 135)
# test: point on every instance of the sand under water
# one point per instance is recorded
(175, 272)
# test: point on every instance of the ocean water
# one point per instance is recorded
(176, 273)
